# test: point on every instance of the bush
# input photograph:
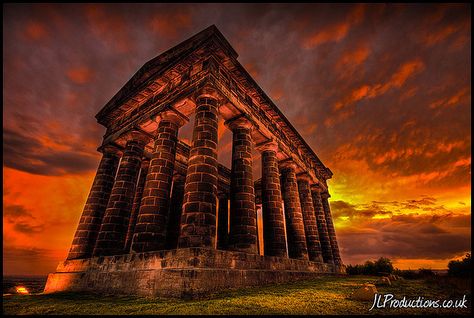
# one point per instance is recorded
(382, 266)
(425, 273)
(408, 274)
(460, 268)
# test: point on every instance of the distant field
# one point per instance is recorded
(327, 295)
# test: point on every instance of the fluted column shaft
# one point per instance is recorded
(274, 239)
(198, 228)
(93, 213)
(111, 239)
(297, 247)
(175, 210)
(331, 229)
(136, 203)
(150, 230)
(326, 248)
(243, 216)
(309, 218)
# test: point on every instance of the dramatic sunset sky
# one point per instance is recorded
(380, 92)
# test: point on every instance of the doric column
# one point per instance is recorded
(111, 239)
(322, 227)
(198, 227)
(297, 247)
(223, 222)
(274, 239)
(332, 232)
(174, 217)
(309, 218)
(243, 216)
(91, 219)
(150, 230)
(136, 203)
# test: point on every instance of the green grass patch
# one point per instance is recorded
(325, 296)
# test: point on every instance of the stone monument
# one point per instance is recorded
(164, 218)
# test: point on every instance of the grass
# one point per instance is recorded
(326, 295)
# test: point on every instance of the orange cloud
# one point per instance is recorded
(407, 94)
(437, 36)
(80, 75)
(35, 206)
(397, 80)
(402, 231)
(335, 32)
(406, 70)
(35, 31)
(353, 58)
(452, 101)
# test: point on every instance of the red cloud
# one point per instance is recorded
(335, 32)
(353, 58)
(35, 31)
(453, 100)
(168, 25)
(80, 75)
(399, 78)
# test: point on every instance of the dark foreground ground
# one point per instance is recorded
(327, 295)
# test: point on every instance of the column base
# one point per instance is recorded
(182, 273)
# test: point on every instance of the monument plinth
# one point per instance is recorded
(164, 218)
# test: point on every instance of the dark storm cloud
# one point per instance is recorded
(429, 244)
(22, 260)
(345, 209)
(24, 253)
(28, 154)
(15, 211)
(27, 228)
(443, 235)
(21, 219)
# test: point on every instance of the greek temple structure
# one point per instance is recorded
(164, 218)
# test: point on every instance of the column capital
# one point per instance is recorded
(287, 164)
(173, 116)
(240, 121)
(269, 145)
(110, 149)
(304, 176)
(316, 187)
(208, 91)
(325, 195)
(139, 135)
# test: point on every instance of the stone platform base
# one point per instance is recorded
(182, 273)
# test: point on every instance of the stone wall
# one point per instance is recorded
(184, 273)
